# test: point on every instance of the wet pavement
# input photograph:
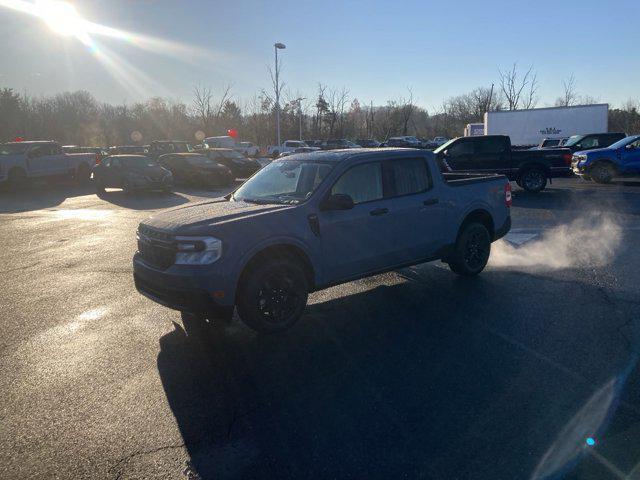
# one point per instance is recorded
(528, 371)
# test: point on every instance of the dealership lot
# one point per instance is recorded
(416, 373)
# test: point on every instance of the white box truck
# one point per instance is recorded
(530, 127)
(474, 129)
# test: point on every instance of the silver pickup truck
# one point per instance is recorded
(20, 161)
(312, 220)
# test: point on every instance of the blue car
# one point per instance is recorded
(603, 164)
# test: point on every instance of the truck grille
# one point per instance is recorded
(157, 248)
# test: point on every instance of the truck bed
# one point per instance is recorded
(460, 179)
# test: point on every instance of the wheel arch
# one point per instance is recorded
(533, 165)
(605, 160)
(480, 215)
(278, 249)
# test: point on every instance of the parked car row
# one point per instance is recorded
(597, 156)
(22, 161)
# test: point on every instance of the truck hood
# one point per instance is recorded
(594, 153)
(210, 212)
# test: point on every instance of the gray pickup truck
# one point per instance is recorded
(20, 161)
(312, 220)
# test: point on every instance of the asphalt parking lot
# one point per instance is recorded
(528, 371)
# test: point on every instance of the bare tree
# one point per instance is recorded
(406, 108)
(512, 86)
(530, 100)
(570, 95)
(206, 108)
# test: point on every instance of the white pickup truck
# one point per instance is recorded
(20, 161)
(287, 146)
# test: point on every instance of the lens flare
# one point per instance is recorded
(63, 18)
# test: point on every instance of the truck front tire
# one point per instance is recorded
(272, 295)
(472, 250)
(602, 172)
(533, 179)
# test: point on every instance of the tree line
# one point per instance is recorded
(80, 119)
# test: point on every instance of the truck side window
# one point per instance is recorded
(460, 148)
(490, 145)
(589, 142)
(363, 183)
(409, 175)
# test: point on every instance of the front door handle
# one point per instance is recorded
(379, 211)
(430, 201)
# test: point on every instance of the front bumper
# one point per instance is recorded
(195, 289)
(578, 169)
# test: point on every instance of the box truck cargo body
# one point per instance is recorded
(529, 127)
(474, 129)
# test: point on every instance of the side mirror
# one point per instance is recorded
(630, 147)
(337, 201)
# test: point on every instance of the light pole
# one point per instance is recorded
(276, 47)
(299, 102)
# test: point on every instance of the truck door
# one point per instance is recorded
(357, 241)
(38, 160)
(630, 157)
(47, 159)
(417, 213)
(459, 155)
(492, 155)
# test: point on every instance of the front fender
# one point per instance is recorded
(283, 240)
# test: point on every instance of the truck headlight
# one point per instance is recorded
(197, 250)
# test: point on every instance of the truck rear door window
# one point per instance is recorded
(408, 176)
(363, 183)
(460, 148)
(490, 145)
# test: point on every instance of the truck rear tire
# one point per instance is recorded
(602, 173)
(472, 250)
(272, 295)
(533, 179)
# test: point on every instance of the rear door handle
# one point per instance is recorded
(430, 201)
(379, 211)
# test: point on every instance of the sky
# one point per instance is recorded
(376, 49)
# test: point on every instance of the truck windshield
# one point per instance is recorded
(624, 142)
(444, 146)
(13, 148)
(284, 181)
(573, 140)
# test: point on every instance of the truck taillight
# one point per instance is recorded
(507, 194)
(567, 158)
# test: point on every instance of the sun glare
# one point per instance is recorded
(61, 17)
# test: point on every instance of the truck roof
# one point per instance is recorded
(343, 154)
(31, 142)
